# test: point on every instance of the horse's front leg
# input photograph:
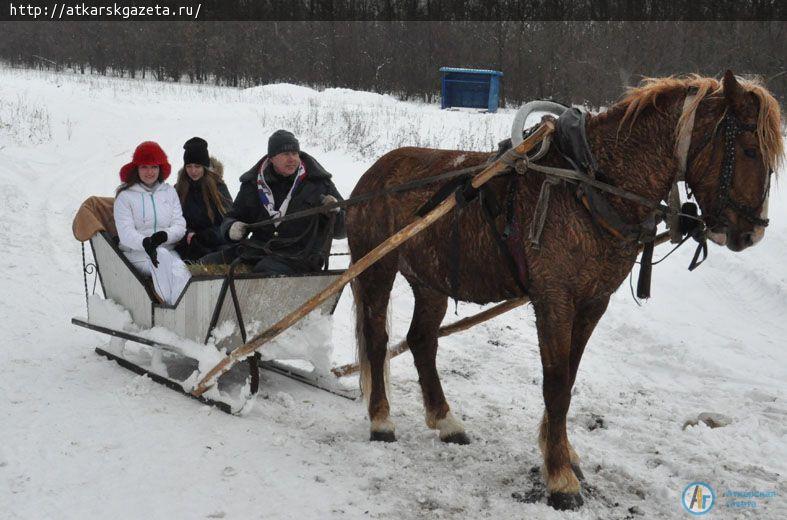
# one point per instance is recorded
(587, 316)
(554, 321)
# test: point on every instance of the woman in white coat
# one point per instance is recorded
(150, 221)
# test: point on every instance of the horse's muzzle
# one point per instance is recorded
(740, 241)
(718, 235)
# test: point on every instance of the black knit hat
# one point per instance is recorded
(196, 152)
(282, 141)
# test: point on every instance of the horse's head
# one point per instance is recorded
(735, 145)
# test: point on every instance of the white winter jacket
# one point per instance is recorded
(140, 212)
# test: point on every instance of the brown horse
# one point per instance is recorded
(578, 265)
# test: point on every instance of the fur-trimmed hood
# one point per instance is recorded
(215, 165)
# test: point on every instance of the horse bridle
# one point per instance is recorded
(731, 127)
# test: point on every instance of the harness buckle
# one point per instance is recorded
(647, 230)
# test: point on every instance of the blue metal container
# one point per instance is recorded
(473, 88)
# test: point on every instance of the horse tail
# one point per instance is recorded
(361, 355)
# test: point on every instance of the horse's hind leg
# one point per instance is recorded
(428, 313)
(372, 290)
(554, 320)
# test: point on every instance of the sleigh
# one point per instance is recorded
(212, 317)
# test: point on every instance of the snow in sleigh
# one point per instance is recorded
(214, 314)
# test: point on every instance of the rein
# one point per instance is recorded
(369, 196)
(520, 163)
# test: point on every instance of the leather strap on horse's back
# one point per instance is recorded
(454, 256)
(491, 210)
(540, 213)
(644, 233)
(645, 271)
(571, 140)
(459, 185)
(598, 207)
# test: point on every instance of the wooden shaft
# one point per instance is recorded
(446, 330)
(362, 264)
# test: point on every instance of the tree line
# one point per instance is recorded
(570, 61)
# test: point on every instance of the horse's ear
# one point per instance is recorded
(732, 89)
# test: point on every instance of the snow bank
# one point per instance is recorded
(280, 93)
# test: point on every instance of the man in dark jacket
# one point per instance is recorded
(284, 181)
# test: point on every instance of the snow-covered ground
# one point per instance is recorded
(82, 438)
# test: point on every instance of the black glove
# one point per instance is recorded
(150, 244)
(315, 261)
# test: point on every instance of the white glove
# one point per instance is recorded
(238, 230)
(330, 199)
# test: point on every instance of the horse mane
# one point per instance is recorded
(769, 135)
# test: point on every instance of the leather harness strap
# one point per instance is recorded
(683, 143)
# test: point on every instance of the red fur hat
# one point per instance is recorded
(147, 153)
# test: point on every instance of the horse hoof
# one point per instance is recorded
(456, 438)
(565, 501)
(383, 436)
(578, 471)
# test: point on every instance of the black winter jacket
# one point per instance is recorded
(196, 214)
(248, 208)
(208, 237)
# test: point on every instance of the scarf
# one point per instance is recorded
(266, 195)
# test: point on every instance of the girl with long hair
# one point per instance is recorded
(204, 198)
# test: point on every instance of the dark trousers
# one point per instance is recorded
(192, 253)
(270, 265)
